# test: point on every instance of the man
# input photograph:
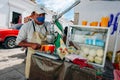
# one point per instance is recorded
(32, 34)
(29, 18)
(26, 19)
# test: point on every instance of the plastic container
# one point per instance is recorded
(104, 21)
(95, 23)
(48, 48)
(84, 23)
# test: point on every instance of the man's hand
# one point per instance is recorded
(35, 46)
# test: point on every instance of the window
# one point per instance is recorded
(16, 18)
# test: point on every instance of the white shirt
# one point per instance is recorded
(27, 30)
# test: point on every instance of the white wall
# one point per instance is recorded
(7, 7)
(23, 7)
(2, 21)
(94, 10)
(4, 10)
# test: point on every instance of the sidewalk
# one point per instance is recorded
(11, 64)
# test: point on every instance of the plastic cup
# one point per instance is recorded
(84, 23)
(95, 23)
(104, 21)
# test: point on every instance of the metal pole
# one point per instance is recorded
(66, 10)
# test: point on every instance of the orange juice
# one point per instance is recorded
(95, 23)
(104, 21)
(84, 23)
(48, 48)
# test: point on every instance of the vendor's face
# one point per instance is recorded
(39, 18)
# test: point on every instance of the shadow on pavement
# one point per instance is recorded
(1, 46)
(11, 65)
(15, 72)
(4, 60)
(18, 56)
(21, 56)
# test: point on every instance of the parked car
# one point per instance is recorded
(8, 36)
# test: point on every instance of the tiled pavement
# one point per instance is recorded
(11, 64)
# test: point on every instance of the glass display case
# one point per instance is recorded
(92, 42)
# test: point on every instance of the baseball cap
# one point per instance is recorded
(39, 9)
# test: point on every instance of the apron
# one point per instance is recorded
(36, 38)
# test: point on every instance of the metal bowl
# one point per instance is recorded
(50, 38)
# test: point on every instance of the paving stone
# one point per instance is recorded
(13, 75)
(4, 69)
(19, 66)
(11, 64)
(21, 70)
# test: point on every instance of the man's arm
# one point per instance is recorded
(29, 44)
(22, 36)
